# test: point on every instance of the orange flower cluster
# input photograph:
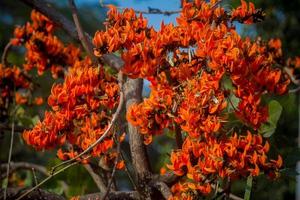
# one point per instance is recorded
(188, 65)
(234, 157)
(11, 79)
(81, 111)
(247, 14)
(293, 69)
(43, 49)
(153, 115)
(12, 75)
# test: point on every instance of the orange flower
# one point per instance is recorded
(38, 101)
(20, 99)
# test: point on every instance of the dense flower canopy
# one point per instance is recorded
(188, 65)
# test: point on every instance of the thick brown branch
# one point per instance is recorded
(13, 193)
(163, 188)
(140, 161)
(60, 20)
(133, 95)
(113, 61)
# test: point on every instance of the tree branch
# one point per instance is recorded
(113, 171)
(169, 178)
(133, 95)
(5, 53)
(140, 161)
(60, 20)
(68, 26)
(97, 179)
(150, 10)
(13, 193)
(10, 149)
(81, 35)
(163, 188)
(14, 166)
(26, 193)
(178, 136)
(120, 195)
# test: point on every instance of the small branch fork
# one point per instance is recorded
(47, 179)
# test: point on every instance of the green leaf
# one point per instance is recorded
(58, 188)
(170, 134)
(234, 102)
(275, 109)
(35, 119)
(28, 179)
(248, 188)
(4, 183)
(20, 111)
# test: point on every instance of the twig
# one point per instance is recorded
(10, 147)
(46, 179)
(81, 35)
(5, 53)
(289, 73)
(12, 193)
(97, 179)
(294, 90)
(149, 11)
(34, 176)
(9, 156)
(230, 195)
(24, 165)
(216, 4)
(114, 119)
(113, 172)
(128, 172)
(124, 195)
